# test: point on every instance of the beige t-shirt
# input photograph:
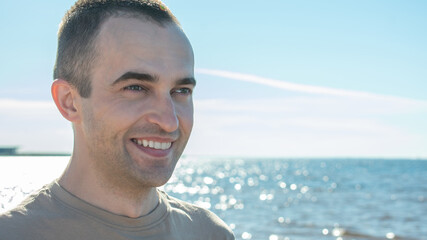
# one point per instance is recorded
(55, 214)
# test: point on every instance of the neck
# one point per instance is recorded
(126, 200)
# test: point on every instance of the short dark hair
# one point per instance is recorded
(80, 26)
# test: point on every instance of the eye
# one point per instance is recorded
(134, 88)
(183, 91)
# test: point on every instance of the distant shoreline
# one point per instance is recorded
(36, 155)
(11, 151)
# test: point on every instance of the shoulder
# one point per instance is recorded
(206, 220)
(18, 222)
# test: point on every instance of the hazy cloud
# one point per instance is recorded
(303, 88)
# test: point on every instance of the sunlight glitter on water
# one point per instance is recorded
(280, 199)
(390, 235)
(19, 176)
(246, 235)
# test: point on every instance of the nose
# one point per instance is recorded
(163, 114)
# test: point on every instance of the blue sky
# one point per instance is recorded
(286, 78)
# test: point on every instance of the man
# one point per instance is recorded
(124, 79)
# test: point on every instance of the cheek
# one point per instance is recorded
(116, 116)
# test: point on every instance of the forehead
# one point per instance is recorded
(125, 44)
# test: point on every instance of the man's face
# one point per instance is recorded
(139, 116)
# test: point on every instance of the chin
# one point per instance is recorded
(154, 178)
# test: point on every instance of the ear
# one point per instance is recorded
(66, 97)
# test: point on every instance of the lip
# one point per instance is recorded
(155, 153)
(156, 139)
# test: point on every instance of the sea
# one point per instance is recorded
(277, 199)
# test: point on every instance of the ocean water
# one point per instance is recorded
(277, 199)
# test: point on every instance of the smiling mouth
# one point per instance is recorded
(152, 144)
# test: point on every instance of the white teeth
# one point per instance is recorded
(153, 144)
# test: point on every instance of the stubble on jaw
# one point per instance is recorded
(118, 172)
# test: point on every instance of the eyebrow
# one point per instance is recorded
(138, 76)
(185, 81)
(150, 78)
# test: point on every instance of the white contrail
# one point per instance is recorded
(300, 87)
